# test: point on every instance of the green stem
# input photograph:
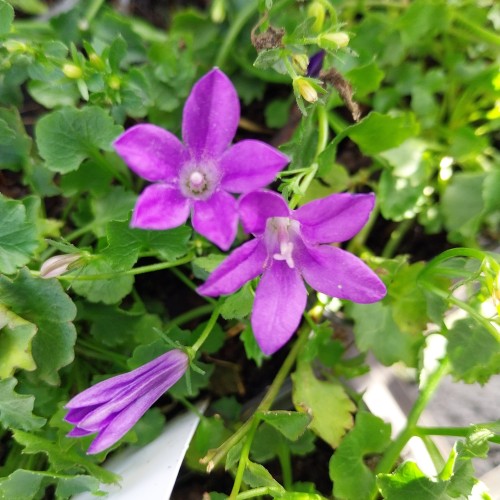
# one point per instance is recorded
(482, 33)
(213, 457)
(236, 26)
(323, 130)
(286, 466)
(452, 431)
(242, 464)
(396, 238)
(182, 277)
(92, 351)
(392, 454)
(93, 9)
(434, 453)
(99, 158)
(259, 492)
(190, 315)
(129, 272)
(208, 328)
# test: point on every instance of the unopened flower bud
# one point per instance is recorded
(305, 89)
(300, 63)
(72, 71)
(218, 11)
(317, 10)
(57, 265)
(114, 82)
(335, 40)
(96, 61)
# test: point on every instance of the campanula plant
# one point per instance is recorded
(286, 208)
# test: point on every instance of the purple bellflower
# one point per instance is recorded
(292, 246)
(196, 177)
(111, 408)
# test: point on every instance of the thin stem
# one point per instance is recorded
(451, 431)
(396, 238)
(481, 32)
(129, 272)
(434, 453)
(392, 454)
(182, 277)
(259, 492)
(242, 464)
(190, 315)
(93, 351)
(286, 466)
(213, 457)
(93, 9)
(323, 130)
(236, 26)
(208, 328)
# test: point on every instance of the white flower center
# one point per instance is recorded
(199, 180)
(280, 235)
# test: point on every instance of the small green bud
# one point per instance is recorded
(300, 63)
(15, 46)
(333, 40)
(305, 89)
(114, 82)
(317, 10)
(72, 71)
(96, 61)
(218, 11)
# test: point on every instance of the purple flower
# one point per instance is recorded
(198, 176)
(292, 246)
(113, 406)
(315, 64)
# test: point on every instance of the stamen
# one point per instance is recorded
(286, 249)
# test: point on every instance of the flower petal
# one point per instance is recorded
(211, 115)
(250, 165)
(151, 152)
(256, 207)
(126, 419)
(243, 265)
(337, 217)
(280, 300)
(338, 273)
(216, 219)
(160, 206)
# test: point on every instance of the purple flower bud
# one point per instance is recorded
(111, 408)
(315, 64)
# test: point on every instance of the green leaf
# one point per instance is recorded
(109, 290)
(239, 305)
(16, 410)
(257, 476)
(21, 485)
(473, 351)
(491, 188)
(50, 93)
(401, 186)
(45, 304)
(16, 335)
(68, 136)
(69, 486)
(62, 458)
(15, 144)
(326, 401)
(350, 475)
(376, 132)
(462, 205)
(290, 423)
(365, 79)
(376, 329)
(6, 17)
(18, 235)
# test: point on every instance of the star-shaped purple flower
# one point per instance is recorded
(290, 247)
(198, 176)
(113, 406)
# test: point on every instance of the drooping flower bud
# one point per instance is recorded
(72, 71)
(305, 89)
(300, 63)
(96, 61)
(317, 10)
(333, 41)
(59, 264)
